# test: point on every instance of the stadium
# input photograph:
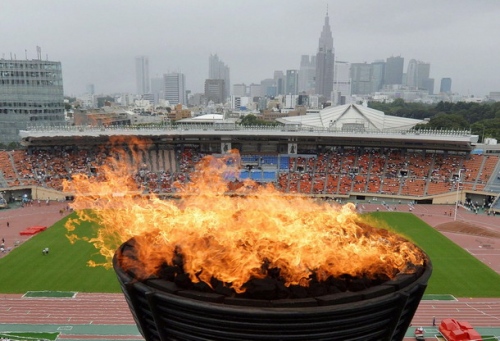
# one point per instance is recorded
(346, 154)
(349, 153)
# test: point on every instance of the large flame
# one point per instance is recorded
(229, 233)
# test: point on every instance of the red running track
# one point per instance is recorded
(82, 309)
(113, 309)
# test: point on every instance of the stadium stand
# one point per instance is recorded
(357, 165)
(325, 173)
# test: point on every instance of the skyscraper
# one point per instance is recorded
(215, 90)
(292, 82)
(417, 75)
(378, 71)
(445, 85)
(175, 88)
(279, 79)
(142, 75)
(218, 70)
(393, 73)
(342, 83)
(412, 74)
(307, 72)
(325, 61)
(158, 88)
(361, 78)
(31, 91)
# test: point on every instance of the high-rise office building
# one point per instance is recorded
(90, 89)
(215, 90)
(268, 87)
(279, 79)
(428, 84)
(361, 78)
(218, 70)
(417, 76)
(307, 73)
(445, 85)
(342, 83)
(393, 73)
(424, 71)
(292, 82)
(378, 71)
(325, 61)
(175, 88)
(158, 88)
(240, 90)
(31, 92)
(412, 74)
(142, 75)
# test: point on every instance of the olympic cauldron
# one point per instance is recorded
(345, 309)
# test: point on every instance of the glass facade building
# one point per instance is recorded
(31, 92)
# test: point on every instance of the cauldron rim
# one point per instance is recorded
(402, 282)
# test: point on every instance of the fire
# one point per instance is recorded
(236, 235)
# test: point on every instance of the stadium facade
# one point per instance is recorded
(31, 91)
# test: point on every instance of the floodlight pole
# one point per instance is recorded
(458, 187)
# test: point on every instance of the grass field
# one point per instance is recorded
(455, 271)
(64, 268)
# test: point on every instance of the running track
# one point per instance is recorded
(112, 309)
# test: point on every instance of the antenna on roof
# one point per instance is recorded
(39, 52)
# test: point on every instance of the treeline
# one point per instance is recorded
(482, 119)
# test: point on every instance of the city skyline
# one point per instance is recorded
(453, 38)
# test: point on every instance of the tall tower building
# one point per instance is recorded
(325, 61)
(307, 72)
(292, 82)
(142, 75)
(393, 73)
(361, 78)
(412, 74)
(215, 90)
(342, 83)
(445, 85)
(158, 88)
(378, 71)
(31, 92)
(417, 75)
(279, 79)
(175, 88)
(424, 70)
(218, 70)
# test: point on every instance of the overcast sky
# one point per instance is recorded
(98, 40)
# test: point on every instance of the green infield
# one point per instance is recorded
(65, 269)
(29, 336)
(455, 271)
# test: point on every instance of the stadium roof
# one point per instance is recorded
(352, 116)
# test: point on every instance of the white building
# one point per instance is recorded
(352, 117)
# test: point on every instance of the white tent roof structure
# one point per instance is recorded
(352, 117)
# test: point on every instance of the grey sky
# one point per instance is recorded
(97, 40)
